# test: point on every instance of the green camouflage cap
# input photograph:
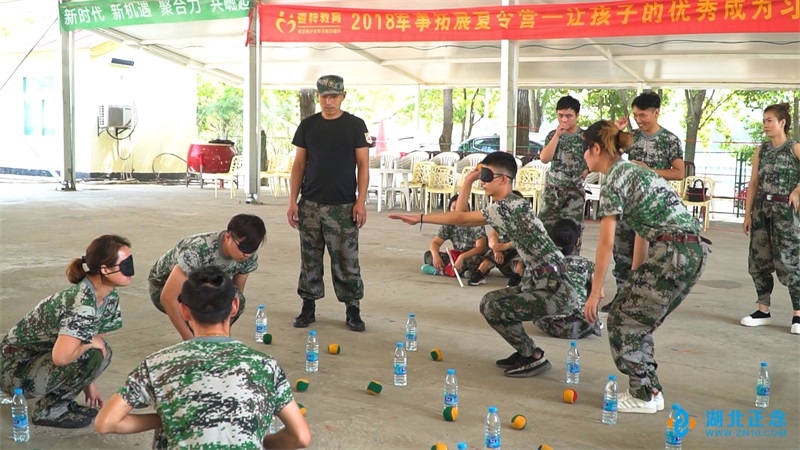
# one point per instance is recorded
(330, 84)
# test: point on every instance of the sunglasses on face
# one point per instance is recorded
(244, 247)
(487, 176)
(125, 267)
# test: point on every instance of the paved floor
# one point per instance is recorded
(708, 362)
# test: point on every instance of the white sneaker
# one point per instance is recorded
(795, 328)
(630, 404)
(659, 398)
(750, 321)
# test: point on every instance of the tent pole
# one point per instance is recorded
(252, 116)
(68, 109)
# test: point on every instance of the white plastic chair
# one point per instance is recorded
(446, 158)
(233, 174)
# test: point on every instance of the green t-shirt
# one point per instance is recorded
(71, 312)
(657, 150)
(646, 202)
(463, 238)
(568, 164)
(210, 393)
(198, 251)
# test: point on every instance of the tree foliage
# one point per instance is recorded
(219, 110)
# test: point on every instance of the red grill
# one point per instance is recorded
(209, 158)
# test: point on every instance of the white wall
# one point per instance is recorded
(164, 94)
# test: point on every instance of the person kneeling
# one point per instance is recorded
(228, 399)
(565, 233)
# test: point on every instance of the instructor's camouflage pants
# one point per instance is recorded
(155, 297)
(506, 309)
(330, 226)
(563, 203)
(775, 247)
(38, 376)
(652, 292)
(624, 238)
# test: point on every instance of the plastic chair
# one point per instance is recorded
(441, 181)
(473, 159)
(678, 186)
(284, 175)
(407, 162)
(233, 174)
(420, 174)
(274, 167)
(446, 158)
(593, 191)
(705, 205)
(530, 182)
(477, 188)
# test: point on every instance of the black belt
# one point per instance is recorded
(776, 198)
(552, 268)
(678, 238)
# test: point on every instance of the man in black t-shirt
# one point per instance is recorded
(330, 146)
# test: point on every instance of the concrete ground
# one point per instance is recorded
(707, 361)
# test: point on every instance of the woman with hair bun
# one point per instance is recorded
(669, 257)
(59, 349)
(771, 217)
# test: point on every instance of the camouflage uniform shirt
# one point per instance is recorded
(514, 218)
(657, 150)
(71, 312)
(212, 393)
(198, 251)
(650, 206)
(580, 272)
(778, 169)
(463, 238)
(568, 163)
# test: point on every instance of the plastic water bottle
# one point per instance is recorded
(400, 366)
(450, 388)
(610, 401)
(312, 352)
(672, 440)
(276, 425)
(573, 364)
(462, 446)
(491, 430)
(19, 417)
(762, 387)
(411, 333)
(261, 323)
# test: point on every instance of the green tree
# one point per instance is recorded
(743, 111)
(219, 110)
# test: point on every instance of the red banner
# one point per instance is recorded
(285, 23)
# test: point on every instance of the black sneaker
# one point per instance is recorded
(83, 409)
(477, 278)
(514, 280)
(353, 320)
(508, 362)
(69, 419)
(528, 366)
(307, 315)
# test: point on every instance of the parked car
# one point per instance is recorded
(489, 144)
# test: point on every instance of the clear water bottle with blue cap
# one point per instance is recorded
(312, 352)
(762, 387)
(261, 323)
(450, 389)
(573, 364)
(491, 430)
(610, 396)
(21, 431)
(400, 365)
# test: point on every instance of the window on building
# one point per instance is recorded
(40, 107)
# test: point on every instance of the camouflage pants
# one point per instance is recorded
(510, 259)
(470, 263)
(155, 297)
(506, 309)
(775, 247)
(330, 226)
(652, 292)
(563, 203)
(573, 326)
(38, 376)
(624, 238)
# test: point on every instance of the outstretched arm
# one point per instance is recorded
(605, 243)
(463, 219)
